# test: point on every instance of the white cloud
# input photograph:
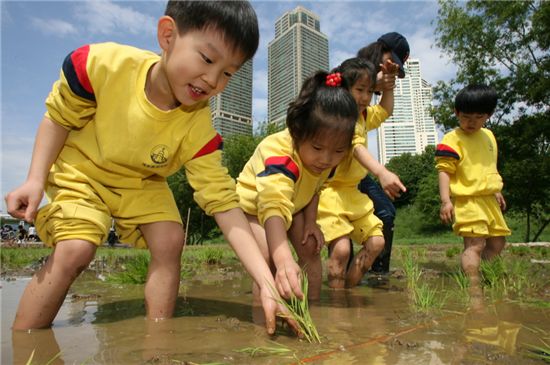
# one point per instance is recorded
(260, 82)
(54, 27)
(105, 17)
(434, 64)
(259, 107)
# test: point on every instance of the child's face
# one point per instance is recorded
(322, 152)
(471, 122)
(198, 65)
(362, 92)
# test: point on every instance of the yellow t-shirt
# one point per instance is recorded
(124, 141)
(274, 181)
(350, 172)
(471, 162)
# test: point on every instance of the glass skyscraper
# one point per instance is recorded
(411, 127)
(232, 109)
(298, 50)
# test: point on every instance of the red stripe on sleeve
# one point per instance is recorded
(80, 58)
(214, 145)
(444, 147)
(286, 161)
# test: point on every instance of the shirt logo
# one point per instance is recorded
(159, 154)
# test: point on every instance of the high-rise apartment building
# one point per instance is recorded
(298, 50)
(232, 109)
(411, 127)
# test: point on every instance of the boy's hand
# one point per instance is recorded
(501, 202)
(272, 309)
(23, 202)
(446, 212)
(391, 184)
(313, 230)
(287, 279)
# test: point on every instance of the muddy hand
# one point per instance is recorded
(272, 310)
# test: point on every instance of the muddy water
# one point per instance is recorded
(102, 323)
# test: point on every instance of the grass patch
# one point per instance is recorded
(277, 350)
(134, 270)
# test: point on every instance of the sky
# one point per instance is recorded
(37, 35)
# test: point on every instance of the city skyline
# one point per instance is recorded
(36, 36)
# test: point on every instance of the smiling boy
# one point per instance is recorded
(119, 121)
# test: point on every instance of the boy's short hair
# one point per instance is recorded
(476, 98)
(236, 20)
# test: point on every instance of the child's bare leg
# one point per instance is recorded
(308, 257)
(364, 259)
(471, 258)
(340, 252)
(47, 289)
(165, 242)
(493, 247)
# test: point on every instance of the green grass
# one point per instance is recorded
(277, 349)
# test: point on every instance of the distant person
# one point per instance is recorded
(469, 183)
(21, 234)
(278, 186)
(344, 212)
(112, 237)
(390, 46)
(32, 236)
(119, 121)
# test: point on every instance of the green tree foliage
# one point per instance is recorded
(201, 226)
(237, 149)
(411, 169)
(505, 44)
(527, 174)
(427, 203)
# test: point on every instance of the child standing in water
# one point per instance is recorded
(118, 122)
(287, 170)
(344, 212)
(469, 183)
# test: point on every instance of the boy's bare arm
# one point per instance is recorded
(236, 230)
(23, 202)
(390, 182)
(446, 210)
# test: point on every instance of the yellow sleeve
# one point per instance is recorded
(275, 197)
(375, 116)
(447, 154)
(214, 188)
(72, 103)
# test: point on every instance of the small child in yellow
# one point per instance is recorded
(119, 121)
(469, 183)
(344, 212)
(278, 185)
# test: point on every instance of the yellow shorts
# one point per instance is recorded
(347, 211)
(81, 208)
(479, 216)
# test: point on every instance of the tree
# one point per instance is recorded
(411, 169)
(504, 44)
(237, 149)
(200, 224)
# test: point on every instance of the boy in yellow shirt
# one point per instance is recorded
(119, 121)
(469, 183)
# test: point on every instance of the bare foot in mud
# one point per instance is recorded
(357, 269)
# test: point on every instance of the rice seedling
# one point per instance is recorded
(492, 272)
(29, 361)
(298, 310)
(541, 352)
(277, 350)
(426, 298)
(453, 251)
(411, 269)
(135, 270)
(460, 278)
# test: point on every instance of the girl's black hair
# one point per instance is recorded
(374, 53)
(235, 20)
(355, 68)
(476, 98)
(320, 108)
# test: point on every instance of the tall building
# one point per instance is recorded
(298, 50)
(232, 109)
(410, 128)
